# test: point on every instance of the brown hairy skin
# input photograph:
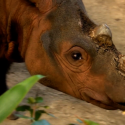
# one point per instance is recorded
(43, 5)
(57, 39)
(17, 20)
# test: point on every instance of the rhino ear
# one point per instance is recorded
(43, 5)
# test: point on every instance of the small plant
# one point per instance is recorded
(85, 122)
(10, 99)
(34, 110)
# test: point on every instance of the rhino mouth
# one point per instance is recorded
(99, 103)
(110, 106)
(97, 98)
(122, 104)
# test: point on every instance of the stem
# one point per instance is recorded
(82, 120)
(34, 107)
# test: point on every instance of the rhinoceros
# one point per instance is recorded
(56, 38)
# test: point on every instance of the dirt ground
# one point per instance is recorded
(63, 106)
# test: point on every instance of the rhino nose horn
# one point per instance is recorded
(103, 35)
(102, 30)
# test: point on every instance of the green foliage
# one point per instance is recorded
(32, 100)
(35, 112)
(85, 122)
(38, 114)
(41, 122)
(25, 117)
(10, 99)
(25, 108)
(39, 100)
(88, 122)
(46, 107)
(79, 121)
(73, 124)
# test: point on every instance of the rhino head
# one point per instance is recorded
(77, 56)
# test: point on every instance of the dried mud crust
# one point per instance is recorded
(63, 106)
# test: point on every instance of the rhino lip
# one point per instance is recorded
(111, 106)
(120, 106)
(100, 103)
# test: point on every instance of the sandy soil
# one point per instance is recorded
(63, 106)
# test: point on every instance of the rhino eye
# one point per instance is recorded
(77, 56)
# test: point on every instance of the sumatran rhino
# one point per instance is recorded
(57, 39)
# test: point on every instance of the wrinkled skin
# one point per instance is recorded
(57, 39)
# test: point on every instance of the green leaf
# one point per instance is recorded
(39, 99)
(41, 122)
(51, 115)
(46, 107)
(31, 100)
(79, 121)
(10, 99)
(91, 122)
(23, 108)
(25, 117)
(73, 124)
(38, 114)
